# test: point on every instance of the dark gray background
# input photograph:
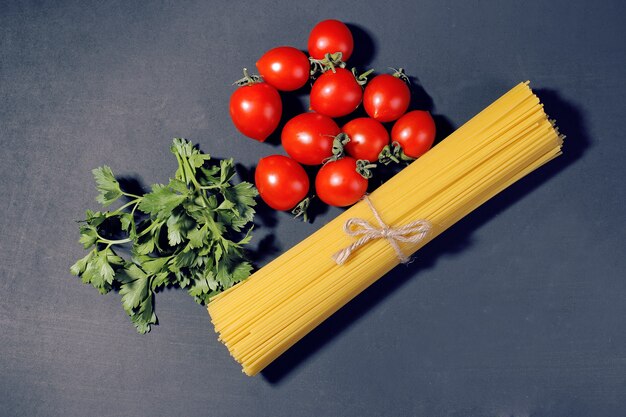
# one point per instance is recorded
(519, 310)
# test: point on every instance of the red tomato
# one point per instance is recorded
(285, 68)
(281, 181)
(339, 184)
(330, 36)
(336, 94)
(255, 110)
(386, 98)
(415, 132)
(367, 138)
(308, 138)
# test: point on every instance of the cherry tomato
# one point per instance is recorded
(386, 98)
(255, 110)
(336, 94)
(281, 181)
(285, 68)
(330, 36)
(339, 184)
(415, 132)
(367, 138)
(308, 138)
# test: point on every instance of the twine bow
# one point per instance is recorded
(412, 232)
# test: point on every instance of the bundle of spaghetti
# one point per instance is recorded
(263, 316)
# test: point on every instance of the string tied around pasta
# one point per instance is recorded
(412, 232)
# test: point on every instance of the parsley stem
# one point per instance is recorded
(181, 166)
(211, 187)
(200, 189)
(149, 228)
(126, 240)
(130, 203)
(112, 242)
(191, 177)
(135, 196)
(184, 166)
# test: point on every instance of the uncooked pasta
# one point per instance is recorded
(263, 316)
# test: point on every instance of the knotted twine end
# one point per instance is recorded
(412, 232)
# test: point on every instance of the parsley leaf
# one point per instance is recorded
(134, 289)
(161, 201)
(188, 233)
(108, 186)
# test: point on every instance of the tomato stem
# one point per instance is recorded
(329, 62)
(364, 167)
(301, 209)
(393, 153)
(399, 73)
(388, 155)
(362, 79)
(248, 79)
(339, 143)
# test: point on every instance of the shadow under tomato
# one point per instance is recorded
(420, 99)
(365, 47)
(265, 215)
(294, 103)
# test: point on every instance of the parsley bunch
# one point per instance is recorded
(189, 233)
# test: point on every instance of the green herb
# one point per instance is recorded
(188, 233)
